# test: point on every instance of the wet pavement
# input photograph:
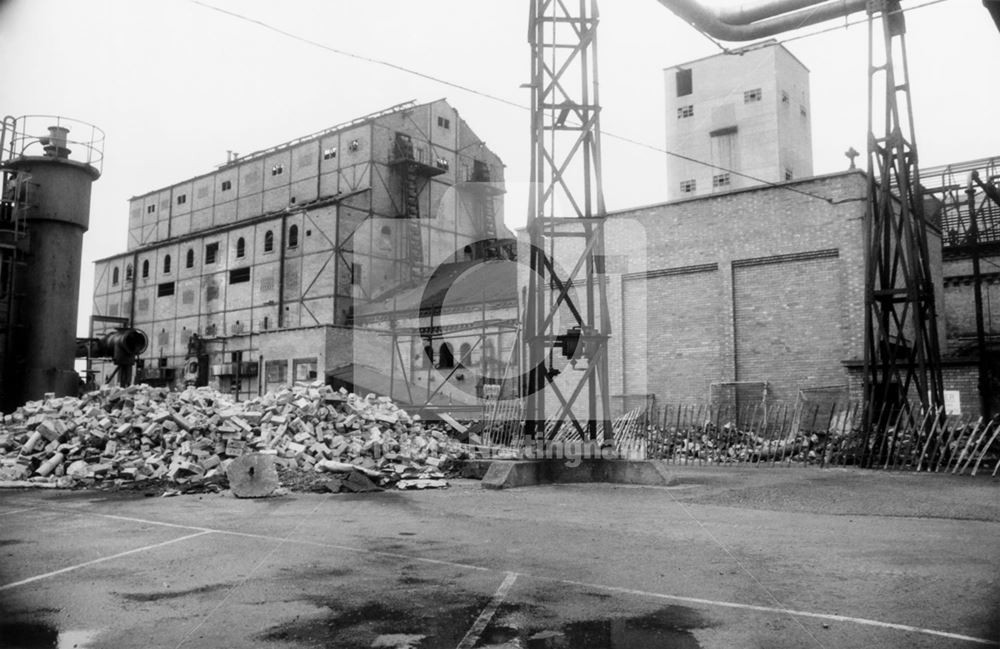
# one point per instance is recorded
(729, 558)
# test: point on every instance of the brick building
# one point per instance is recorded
(263, 261)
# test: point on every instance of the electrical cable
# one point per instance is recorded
(507, 102)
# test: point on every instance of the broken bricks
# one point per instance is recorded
(193, 436)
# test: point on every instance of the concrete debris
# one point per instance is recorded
(195, 437)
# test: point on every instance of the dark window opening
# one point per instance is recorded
(354, 145)
(684, 82)
(330, 153)
(688, 186)
(356, 274)
(239, 275)
(268, 241)
(788, 174)
(446, 358)
(145, 268)
(150, 209)
(182, 199)
(128, 273)
(165, 289)
(751, 96)
(241, 247)
(166, 264)
(721, 180)
(189, 258)
(684, 112)
(465, 355)
(277, 170)
(114, 276)
(293, 236)
(227, 185)
(444, 122)
(211, 250)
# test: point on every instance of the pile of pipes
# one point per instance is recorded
(128, 435)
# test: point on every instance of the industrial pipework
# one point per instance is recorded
(48, 164)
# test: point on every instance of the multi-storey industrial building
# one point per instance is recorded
(745, 112)
(257, 268)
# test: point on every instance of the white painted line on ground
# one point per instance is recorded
(16, 511)
(616, 589)
(477, 628)
(101, 560)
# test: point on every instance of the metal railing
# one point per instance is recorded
(53, 136)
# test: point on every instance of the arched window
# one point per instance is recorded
(467, 251)
(166, 263)
(241, 247)
(293, 236)
(145, 268)
(268, 241)
(128, 273)
(114, 276)
(446, 358)
(189, 262)
(465, 355)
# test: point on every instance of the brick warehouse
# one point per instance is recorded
(263, 261)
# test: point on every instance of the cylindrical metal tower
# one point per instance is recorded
(48, 164)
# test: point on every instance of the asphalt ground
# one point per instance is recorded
(757, 557)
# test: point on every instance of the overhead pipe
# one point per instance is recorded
(766, 18)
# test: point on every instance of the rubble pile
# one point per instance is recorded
(126, 435)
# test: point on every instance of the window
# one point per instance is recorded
(684, 85)
(189, 258)
(143, 305)
(304, 369)
(293, 236)
(241, 247)
(183, 198)
(354, 145)
(114, 276)
(444, 122)
(211, 250)
(356, 274)
(788, 174)
(685, 111)
(145, 269)
(275, 371)
(386, 231)
(166, 263)
(751, 96)
(330, 153)
(277, 170)
(784, 97)
(688, 186)
(721, 180)
(165, 289)
(268, 241)
(187, 297)
(128, 273)
(150, 209)
(446, 358)
(227, 185)
(465, 355)
(441, 163)
(239, 275)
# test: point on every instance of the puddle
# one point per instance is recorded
(667, 628)
(172, 594)
(33, 635)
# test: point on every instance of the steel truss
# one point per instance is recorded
(902, 359)
(566, 206)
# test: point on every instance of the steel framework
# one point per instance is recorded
(566, 205)
(901, 357)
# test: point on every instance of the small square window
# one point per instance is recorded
(330, 153)
(227, 185)
(182, 199)
(444, 122)
(688, 186)
(150, 209)
(354, 145)
(751, 96)
(788, 174)
(685, 111)
(277, 170)
(721, 180)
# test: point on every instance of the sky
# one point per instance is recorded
(175, 84)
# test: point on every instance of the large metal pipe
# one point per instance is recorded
(766, 19)
(121, 344)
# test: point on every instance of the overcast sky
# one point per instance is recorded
(175, 84)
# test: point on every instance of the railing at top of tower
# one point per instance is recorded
(52, 136)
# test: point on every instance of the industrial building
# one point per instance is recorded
(746, 112)
(251, 275)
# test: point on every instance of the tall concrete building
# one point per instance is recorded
(258, 268)
(745, 111)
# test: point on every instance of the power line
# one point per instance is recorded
(507, 102)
